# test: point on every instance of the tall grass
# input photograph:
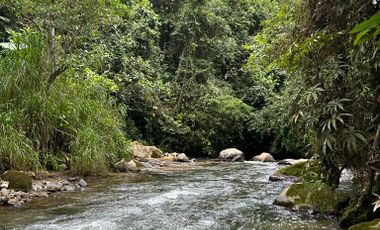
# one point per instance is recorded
(15, 147)
(42, 120)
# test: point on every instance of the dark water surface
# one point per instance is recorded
(219, 196)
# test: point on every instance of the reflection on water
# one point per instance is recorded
(221, 196)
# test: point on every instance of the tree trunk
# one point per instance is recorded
(360, 208)
(332, 173)
(178, 105)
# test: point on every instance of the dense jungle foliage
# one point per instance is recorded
(172, 73)
(81, 79)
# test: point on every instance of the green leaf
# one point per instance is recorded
(363, 36)
(376, 205)
(377, 32)
(327, 141)
(340, 119)
(361, 137)
(346, 114)
(372, 22)
(4, 19)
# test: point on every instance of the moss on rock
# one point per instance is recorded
(18, 181)
(293, 170)
(319, 196)
(309, 171)
(375, 224)
(356, 213)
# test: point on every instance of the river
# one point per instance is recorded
(217, 196)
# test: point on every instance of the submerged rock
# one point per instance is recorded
(231, 154)
(182, 158)
(280, 177)
(264, 157)
(18, 181)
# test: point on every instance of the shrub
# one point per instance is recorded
(45, 118)
(18, 181)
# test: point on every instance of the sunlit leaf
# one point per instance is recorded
(372, 22)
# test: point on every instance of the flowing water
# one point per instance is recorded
(217, 196)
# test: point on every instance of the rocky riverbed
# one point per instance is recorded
(145, 159)
(199, 195)
(43, 185)
(46, 184)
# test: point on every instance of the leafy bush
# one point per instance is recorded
(15, 147)
(71, 113)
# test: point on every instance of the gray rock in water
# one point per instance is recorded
(4, 184)
(15, 201)
(69, 188)
(182, 158)
(231, 154)
(264, 157)
(82, 183)
(125, 166)
(280, 177)
(40, 194)
(4, 192)
(37, 187)
(54, 187)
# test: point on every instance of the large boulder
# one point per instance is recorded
(231, 154)
(313, 198)
(141, 152)
(264, 157)
(128, 166)
(18, 181)
(182, 158)
(303, 170)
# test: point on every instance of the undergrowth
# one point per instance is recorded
(47, 119)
